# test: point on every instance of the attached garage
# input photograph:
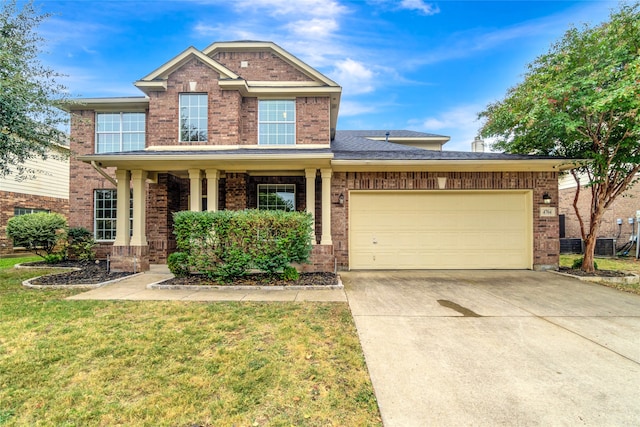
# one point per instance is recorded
(440, 229)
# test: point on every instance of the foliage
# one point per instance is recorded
(226, 244)
(53, 258)
(290, 273)
(40, 232)
(29, 118)
(81, 244)
(577, 264)
(178, 264)
(580, 100)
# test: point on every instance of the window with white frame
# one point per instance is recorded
(105, 214)
(117, 132)
(279, 197)
(193, 117)
(25, 211)
(277, 122)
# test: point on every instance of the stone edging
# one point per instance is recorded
(159, 285)
(630, 279)
(28, 284)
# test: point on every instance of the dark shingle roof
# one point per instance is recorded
(348, 146)
(383, 133)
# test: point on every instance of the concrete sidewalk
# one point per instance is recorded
(135, 288)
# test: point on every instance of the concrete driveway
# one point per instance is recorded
(453, 348)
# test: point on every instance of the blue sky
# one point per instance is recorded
(405, 64)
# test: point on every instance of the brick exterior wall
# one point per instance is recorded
(260, 66)
(546, 245)
(624, 207)
(9, 201)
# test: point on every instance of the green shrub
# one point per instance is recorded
(81, 244)
(577, 264)
(53, 258)
(41, 233)
(227, 244)
(178, 264)
(289, 273)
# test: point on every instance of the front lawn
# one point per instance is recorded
(104, 363)
(630, 264)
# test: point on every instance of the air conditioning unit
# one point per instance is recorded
(605, 247)
(571, 246)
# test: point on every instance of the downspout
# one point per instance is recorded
(103, 173)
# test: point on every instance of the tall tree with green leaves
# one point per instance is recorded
(581, 100)
(29, 119)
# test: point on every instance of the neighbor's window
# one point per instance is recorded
(277, 122)
(279, 197)
(105, 213)
(117, 132)
(24, 211)
(193, 117)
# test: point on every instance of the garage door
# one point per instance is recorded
(440, 229)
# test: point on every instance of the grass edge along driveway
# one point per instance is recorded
(106, 363)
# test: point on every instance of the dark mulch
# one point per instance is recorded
(597, 273)
(91, 272)
(259, 279)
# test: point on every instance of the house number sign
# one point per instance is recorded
(547, 211)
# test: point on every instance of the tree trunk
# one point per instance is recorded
(590, 240)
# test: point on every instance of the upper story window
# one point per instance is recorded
(277, 122)
(193, 117)
(120, 132)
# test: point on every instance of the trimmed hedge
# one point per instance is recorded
(227, 244)
(41, 233)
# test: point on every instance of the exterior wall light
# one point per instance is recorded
(341, 199)
(546, 199)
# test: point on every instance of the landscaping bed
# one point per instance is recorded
(257, 279)
(87, 272)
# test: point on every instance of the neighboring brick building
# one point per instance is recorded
(225, 127)
(43, 187)
(623, 210)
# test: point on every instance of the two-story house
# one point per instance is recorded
(228, 126)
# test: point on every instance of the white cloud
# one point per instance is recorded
(315, 28)
(420, 6)
(460, 123)
(353, 76)
(320, 8)
(351, 108)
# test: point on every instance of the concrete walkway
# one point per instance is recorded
(487, 348)
(135, 288)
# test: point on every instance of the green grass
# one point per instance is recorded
(10, 262)
(629, 264)
(105, 363)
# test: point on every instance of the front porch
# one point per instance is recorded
(156, 194)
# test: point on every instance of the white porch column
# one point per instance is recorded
(310, 175)
(213, 175)
(326, 207)
(139, 237)
(122, 208)
(195, 190)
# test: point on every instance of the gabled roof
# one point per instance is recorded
(253, 46)
(157, 79)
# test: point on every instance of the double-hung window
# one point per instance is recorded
(277, 122)
(26, 211)
(278, 197)
(117, 132)
(105, 213)
(193, 117)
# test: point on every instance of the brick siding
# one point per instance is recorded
(261, 66)
(624, 207)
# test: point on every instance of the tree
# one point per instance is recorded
(581, 100)
(29, 119)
